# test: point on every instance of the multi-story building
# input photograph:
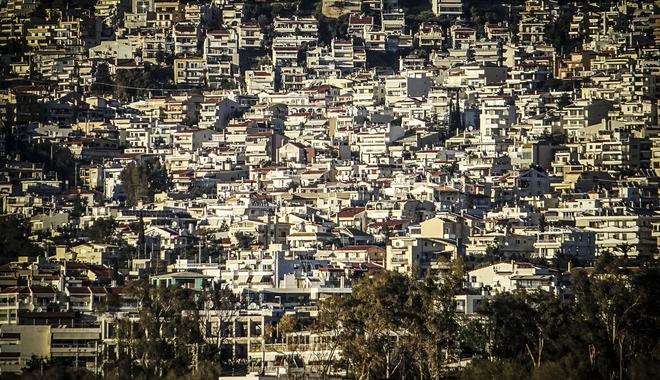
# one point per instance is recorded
(621, 230)
(451, 8)
(186, 38)
(190, 71)
(249, 35)
(530, 31)
(498, 114)
(430, 36)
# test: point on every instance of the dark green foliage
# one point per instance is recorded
(15, 231)
(103, 231)
(77, 8)
(556, 34)
(62, 164)
(141, 181)
(555, 84)
(15, 46)
(129, 83)
(495, 370)
(394, 326)
(39, 368)
(611, 331)
(554, 138)
(79, 206)
(104, 84)
(198, 191)
(331, 28)
(245, 240)
(167, 340)
(512, 325)
(376, 59)
(160, 341)
(563, 101)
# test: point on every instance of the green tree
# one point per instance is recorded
(496, 370)
(15, 231)
(199, 191)
(619, 312)
(393, 325)
(245, 240)
(166, 334)
(141, 181)
(556, 34)
(329, 328)
(40, 368)
(373, 320)
(512, 325)
(563, 101)
(103, 231)
(55, 158)
(434, 326)
(543, 223)
(79, 206)
(103, 84)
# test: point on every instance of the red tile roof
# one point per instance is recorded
(350, 212)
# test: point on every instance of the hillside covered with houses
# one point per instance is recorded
(357, 189)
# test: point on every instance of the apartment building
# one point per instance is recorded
(190, 71)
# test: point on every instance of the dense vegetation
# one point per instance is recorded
(141, 181)
(396, 327)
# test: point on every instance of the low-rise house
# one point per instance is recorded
(509, 276)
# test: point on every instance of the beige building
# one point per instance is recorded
(415, 256)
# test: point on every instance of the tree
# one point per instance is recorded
(103, 231)
(292, 333)
(328, 329)
(496, 369)
(141, 181)
(41, 368)
(372, 319)
(395, 326)
(434, 327)
(79, 206)
(166, 335)
(245, 240)
(512, 325)
(543, 224)
(103, 84)
(15, 231)
(556, 33)
(56, 159)
(563, 101)
(199, 191)
(221, 305)
(619, 310)
(624, 248)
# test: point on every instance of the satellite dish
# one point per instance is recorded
(470, 128)
(31, 306)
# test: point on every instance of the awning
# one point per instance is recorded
(242, 279)
(256, 278)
